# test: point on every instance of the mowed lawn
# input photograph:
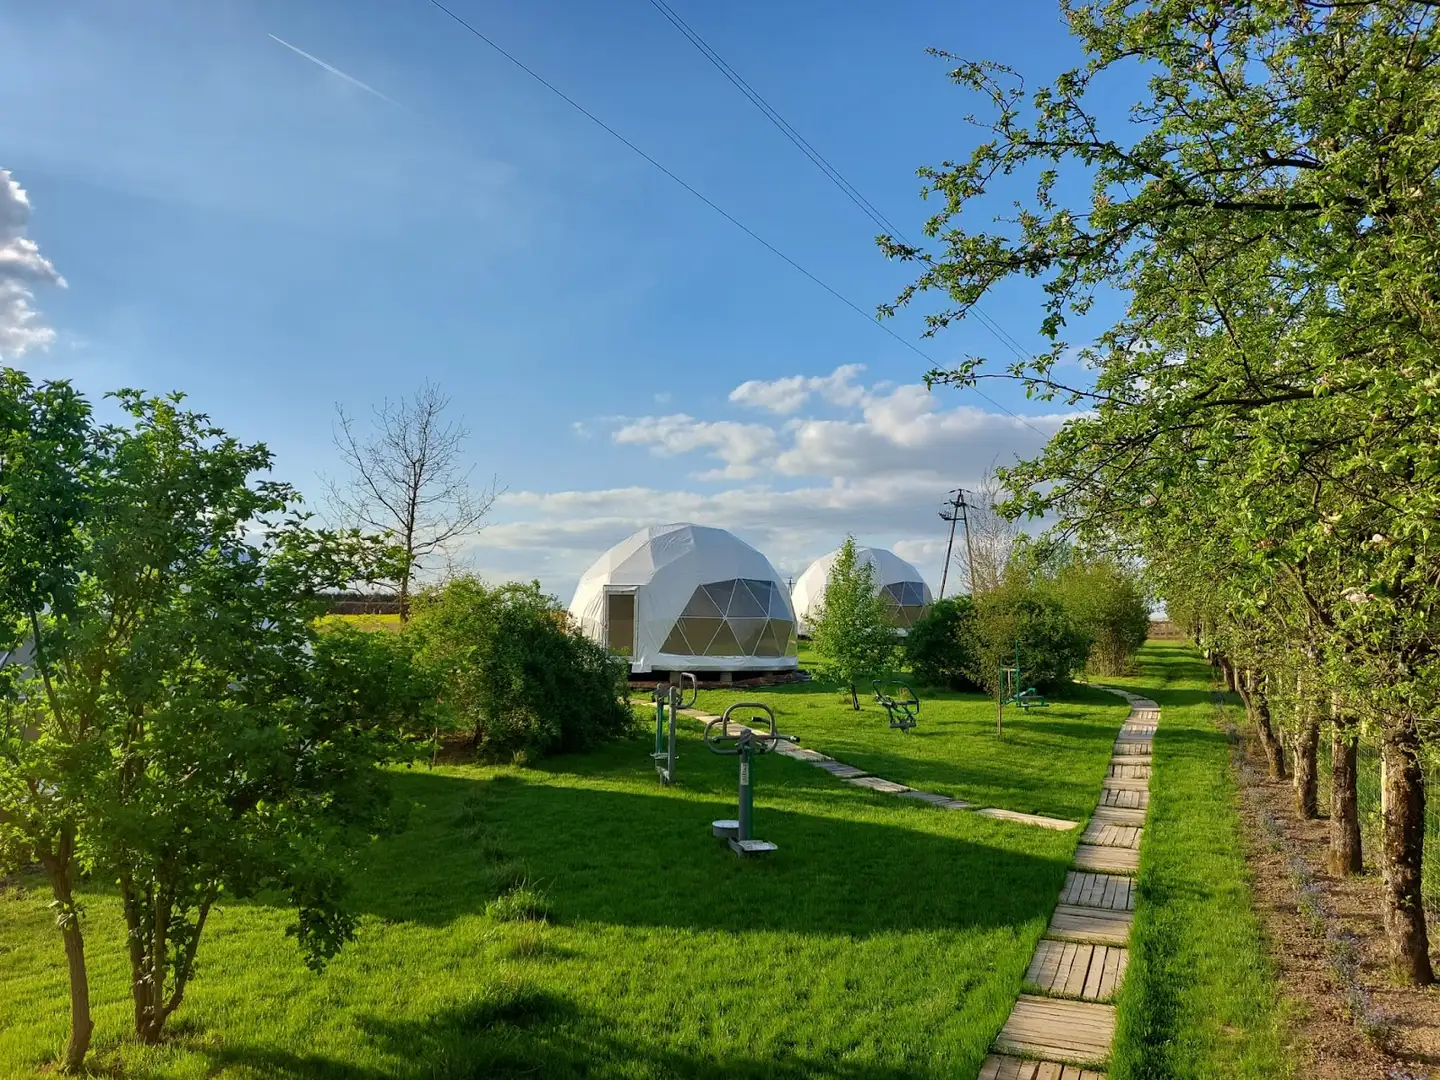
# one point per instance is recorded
(1049, 761)
(576, 919)
(1200, 998)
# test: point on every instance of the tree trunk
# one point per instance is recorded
(1345, 855)
(1227, 669)
(1401, 850)
(68, 919)
(1307, 746)
(1258, 706)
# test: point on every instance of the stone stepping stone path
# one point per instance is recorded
(1061, 1028)
(860, 778)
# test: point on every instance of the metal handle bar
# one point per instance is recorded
(761, 741)
(685, 696)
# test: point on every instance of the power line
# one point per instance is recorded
(804, 146)
(714, 206)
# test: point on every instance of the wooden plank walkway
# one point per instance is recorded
(850, 774)
(1063, 1031)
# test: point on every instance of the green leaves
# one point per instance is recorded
(851, 630)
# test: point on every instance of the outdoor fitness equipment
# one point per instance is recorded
(901, 703)
(743, 742)
(1011, 690)
(677, 697)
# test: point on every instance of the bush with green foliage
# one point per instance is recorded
(851, 630)
(1027, 617)
(515, 671)
(939, 648)
(1107, 600)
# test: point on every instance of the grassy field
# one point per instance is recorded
(1200, 998)
(575, 919)
(1050, 761)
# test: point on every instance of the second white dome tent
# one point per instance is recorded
(906, 595)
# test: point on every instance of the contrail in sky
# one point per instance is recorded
(336, 71)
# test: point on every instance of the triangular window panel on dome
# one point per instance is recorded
(724, 643)
(747, 632)
(676, 644)
(746, 605)
(779, 609)
(894, 592)
(720, 592)
(772, 638)
(700, 633)
(703, 605)
(792, 647)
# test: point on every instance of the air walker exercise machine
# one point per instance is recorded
(743, 742)
(677, 697)
(901, 704)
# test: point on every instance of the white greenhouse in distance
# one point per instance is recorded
(688, 598)
(906, 594)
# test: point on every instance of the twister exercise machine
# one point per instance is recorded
(678, 697)
(1011, 690)
(745, 742)
(900, 702)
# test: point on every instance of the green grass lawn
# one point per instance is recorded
(1200, 998)
(884, 939)
(1050, 761)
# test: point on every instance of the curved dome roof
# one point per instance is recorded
(688, 597)
(902, 584)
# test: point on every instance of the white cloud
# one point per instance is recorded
(881, 472)
(21, 268)
(738, 446)
(788, 394)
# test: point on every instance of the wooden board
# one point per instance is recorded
(801, 753)
(956, 804)
(1125, 798)
(1109, 891)
(839, 769)
(925, 796)
(1110, 834)
(1105, 860)
(1118, 815)
(874, 783)
(1001, 1067)
(1077, 969)
(1039, 820)
(1129, 783)
(1067, 1032)
(1130, 759)
(1098, 925)
(1130, 748)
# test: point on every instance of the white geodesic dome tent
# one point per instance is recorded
(906, 594)
(688, 598)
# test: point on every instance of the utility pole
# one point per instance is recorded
(956, 510)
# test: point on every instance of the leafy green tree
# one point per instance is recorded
(184, 734)
(1017, 616)
(1262, 411)
(850, 629)
(44, 490)
(938, 648)
(1107, 601)
(516, 672)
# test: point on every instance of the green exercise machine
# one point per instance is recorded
(901, 703)
(745, 742)
(676, 697)
(1011, 690)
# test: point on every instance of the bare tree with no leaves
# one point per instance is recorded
(408, 479)
(992, 537)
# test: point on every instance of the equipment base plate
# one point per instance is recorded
(726, 827)
(752, 847)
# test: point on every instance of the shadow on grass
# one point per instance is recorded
(528, 1033)
(633, 859)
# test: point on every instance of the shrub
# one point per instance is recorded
(1019, 615)
(516, 673)
(1108, 602)
(939, 649)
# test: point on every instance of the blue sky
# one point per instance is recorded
(234, 220)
